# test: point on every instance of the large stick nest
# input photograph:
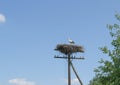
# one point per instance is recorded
(69, 48)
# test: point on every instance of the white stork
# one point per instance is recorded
(70, 41)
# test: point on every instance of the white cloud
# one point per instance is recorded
(20, 81)
(2, 18)
(74, 81)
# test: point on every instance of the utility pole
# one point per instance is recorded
(69, 71)
(66, 49)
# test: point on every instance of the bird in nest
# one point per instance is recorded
(71, 41)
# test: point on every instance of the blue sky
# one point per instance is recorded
(31, 29)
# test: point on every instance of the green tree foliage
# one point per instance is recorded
(109, 71)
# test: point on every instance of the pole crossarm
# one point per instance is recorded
(65, 57)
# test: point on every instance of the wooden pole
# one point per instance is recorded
(76, 74)
(69, 75)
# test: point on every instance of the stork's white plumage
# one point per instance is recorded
(70, 41)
